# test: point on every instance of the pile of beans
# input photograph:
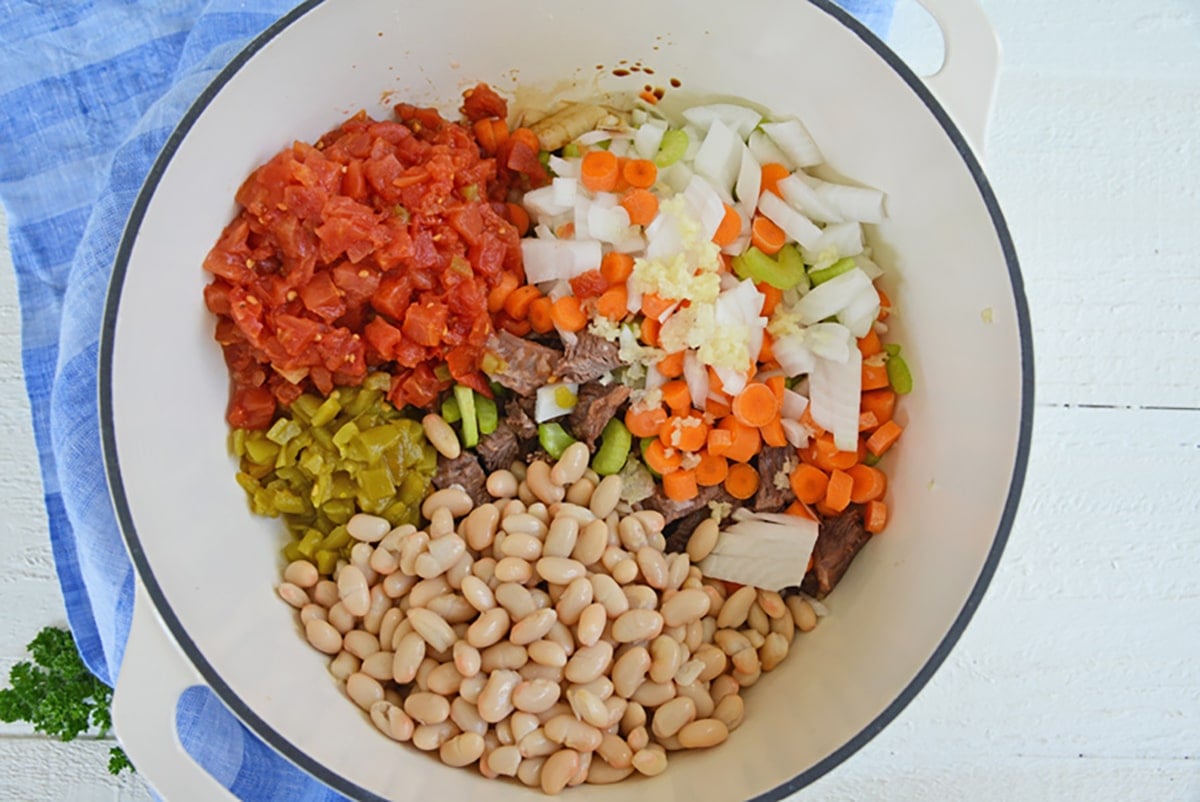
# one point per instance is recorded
(545, 635)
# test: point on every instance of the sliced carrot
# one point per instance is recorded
(715, 385)
(650, 329)
(772, 174)
(516, 305)
(806, 420)
(711, 470)
(645, 422)
(729, 228)
(825, 511)
(773, 433)
(746, 439)
(867, 421)
(671, 365)
(822, 452)
(756, 405)
(869, 483)
(766, 236)
(869, 345)
(677, 396)
(778, 385)
(809, 483)
(771, 297)
(641, 205)
(680, 485)
(528, 137)
(742, 481)
(717, 406)
(837, 495)
(565, 231)
(616, 267)
(875, 516)
(654, 305)
(880, 402)
(800, 510)
(883, 437)
(661, 459)
(684, 432)
(517, 328)
(874, 377)
(485, 135)
(518, 217)
(599, 171)
(613, 303)
(885, 304)
(498, 294)
(640, 173)
(568, 315)
(719, 441)
(539, 315)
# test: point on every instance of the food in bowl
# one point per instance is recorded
(572, 423)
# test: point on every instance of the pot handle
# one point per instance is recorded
(154, 672)
(966, 82)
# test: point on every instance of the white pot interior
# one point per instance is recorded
(213, 568)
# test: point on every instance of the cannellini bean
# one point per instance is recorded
(606, 591)
(581, 491)
(360, 644)
(561, 537)
(569, 731)
(543, 488)
(477, 593)
(633, 717)
(530, 771)
(392, 721)
(453, 498)
(641, 597)
(323, 636)
(432, 627)
(588, 707)
(301, 573)
(462, 750)
(591, 624)
(535, 696)
(652, 694)
(757, 621)
(407, 658)
(428, 737)
(629, 671)
(703, 539)
(503, 655)
(571, 465)
(488, 628)
(703, 733)
(495, 701)
(325, 593)
(480, 527)
(560, 570)
(773, 651)
(590, 545)
(367, 528)
(638, 738)
(615, 751)
(737, 607)
(444, 679)
(379, 665)
(600, 772)
(427, 708)
(802, 613)
(533, 626)
(605, 497)
(672, 715)
(466, 659)
(636, 625)
(730, 711)
(666, 656)
(293, 594)
(514, 569)
(685, 607)
(310, 611)
(573, 600)
(441, 436)
(353, 590)
(560, 767)
(502, 484)
(699, 696)
(650, 761)
(589, 662)
(547, 653)
(504, 760)
(343, 665)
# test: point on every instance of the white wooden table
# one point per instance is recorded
(1079, 677)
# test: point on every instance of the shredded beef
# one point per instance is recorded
(500, 448)
(464, 471)
(597, 406)
(769, 498)
(526, 365)
(588, 359)
(518, 414)
(674, 510)
(838, 541)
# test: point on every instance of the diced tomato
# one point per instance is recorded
(425, 323)
(589, 285)
(383, 337)
(321, 297)
(296, 334)
(251, 408)
(482, 101)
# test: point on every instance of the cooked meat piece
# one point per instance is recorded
(464, 471)
(770, 498)
(838, 541)
(518, 414)
(674, 510)
(597, 405)
(500, 448)
(588, 359)
(526, 365)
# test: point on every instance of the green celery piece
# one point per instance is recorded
(757, 266)
(486, 412)
(674, 145)
(615, 443)
(450, 411)
(470, 423)
(899, 375)
(893, 349)
(571, 151)
(792, 263)
(836, 269)
(554, 438)
(871, 459)
(643, 446)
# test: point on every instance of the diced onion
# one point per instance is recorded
(832, 296)
(793, 223)
(543, 202)
(793, 405)
(707, 202)
(608, 224)
(749, 182)
(793, 139)
(739, 119)
(806, 200)
(695, 373)
(547, 406)
(838, 240)
(834, 393)
(766, 151)
(550, 259)
(862, 204)
(565, 191)
(793, 355)
(719, 156)
(648, 139)
(565, 168)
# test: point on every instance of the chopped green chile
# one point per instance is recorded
(554, 439)
(325, 459)
(615, 443)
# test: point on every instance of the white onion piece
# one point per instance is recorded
(696, 375)
(601, 135)
(794, 405)
(546, 406)
(766, 151)
(551, 259)
(620, 147)
(630, 242)
(793, 139)
(608, 224)
(543, 231)
(830, 341)
(648, 139)
(838, 239)
(739, 119)
(663, 237)
(793, 223)
(795, 432)
(565, 168)
(749, 182)
(860, 313)
(770, 554)
(868, 266)
(542, 202)
(583, 205)
(834, 393)
(806, 200)
(677, 176)
(707, 203)
(606, 200)
(566, 191)
(654, 377)
(695, 138)
(732, 381)
(832, 296)
(719, 156)
(853, 203)
(634, 298)
(557, 289)
(793, 354)
(743, 241)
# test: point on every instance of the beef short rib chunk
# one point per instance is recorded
(839, 539)
(526, 365)
(674, 510)
(596, 407)
(771, 461)
(464, 471)
(589, 358)
(500, 448)
(518, 414)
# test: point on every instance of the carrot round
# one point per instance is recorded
(616, 267)
(518, 217)
(766, 236)
(772, 174)
(742, 481)
(518, 301)
(809, 483)
(822, 452)
(880, 402)
(800, 510)
(684, 432)
(766, 352)
(499, 294)
(867, 421)
(771, 297)
(671, 365)
(654, 306)
(875, 516)
(677, 396)
(746, 439)
(613, 303)
(641, 205)
(885, 304)
(661, 460)
(599, 171)
(729, 228)
(773, 433)
(517, 328)
(567, 314)
(874, 377)
(539, 315)
(645, 422)
(869, 483)
(711, 470)
(837, 494)
(869, 345)
(719, 441)
(680, 485)
(649, 331)
(755, 405)
(883, 437)
(640, 173)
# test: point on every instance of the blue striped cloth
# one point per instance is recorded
(89, 92)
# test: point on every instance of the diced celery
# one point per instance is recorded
(470, 424)
(757, 266)
(836, 269)
(486, 412)
(899, 375)
(450, 411)
(792, 263)
(571, 151)
(554, 438)
(893, 349)
(643, 447)
(871, 459)
(674, 145)
(615, 442)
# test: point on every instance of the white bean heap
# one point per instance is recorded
(545, 635)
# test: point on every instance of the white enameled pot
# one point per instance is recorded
(207, 610)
